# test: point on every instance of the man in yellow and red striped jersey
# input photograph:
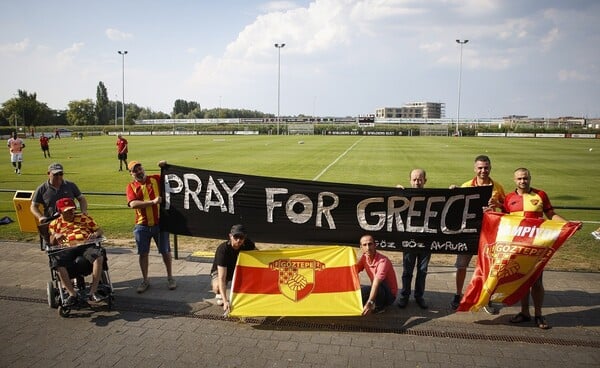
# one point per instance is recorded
(143, 195)
(533, 203)
(482, 167)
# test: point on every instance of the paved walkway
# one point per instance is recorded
(572, 304)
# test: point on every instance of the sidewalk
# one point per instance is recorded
(572, 303)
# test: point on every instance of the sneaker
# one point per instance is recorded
(219, 299)
(172, 283)
(402, 302)
(71, 300)
(19, 171)
(95, 297)
(490, 309)
(143, 287)
(455, 301)
(16, 171)
(421, 303)
(596, 234)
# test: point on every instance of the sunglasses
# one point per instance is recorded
(58, 174)
(238, 237)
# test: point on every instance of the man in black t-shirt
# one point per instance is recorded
(226, 257)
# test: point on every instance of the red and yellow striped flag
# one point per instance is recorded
(513, 251)
(308, 281)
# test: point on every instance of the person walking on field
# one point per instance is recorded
(15, 147)
(143, 195)
(45, 145)
(122, 150)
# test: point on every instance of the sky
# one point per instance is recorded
(341, 57)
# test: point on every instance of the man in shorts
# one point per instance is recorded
(226, 257)
(72, 230)
(15, 147)
(482, 167)
(143, 195)
(532, 203)
(122, 149)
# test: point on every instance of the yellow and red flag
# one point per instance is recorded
(308, 281)
(513, 251)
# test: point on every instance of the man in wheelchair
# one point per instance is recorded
(74, 235)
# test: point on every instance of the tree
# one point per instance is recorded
(184, 108)
(102, 105)
(25, 110)
(81, 112)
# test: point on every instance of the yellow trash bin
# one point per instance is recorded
(27, 221)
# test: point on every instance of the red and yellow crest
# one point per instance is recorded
(296, 276)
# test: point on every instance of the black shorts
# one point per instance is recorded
(66, 257)
(122, 156)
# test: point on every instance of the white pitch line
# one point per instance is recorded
(337, 159)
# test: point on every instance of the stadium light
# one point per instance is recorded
(279, 46)
(123, 53)
(461, 43)
(116, 108)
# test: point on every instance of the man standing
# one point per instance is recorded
(122, 151)
(15, 147)
(533, 203)
(143, 195)
(226, 257)
(44, 143)
(482, 168)
(418, 178)
(51, 191)
(384, 286)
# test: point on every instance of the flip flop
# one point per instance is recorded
(540, 321)
(520, 318)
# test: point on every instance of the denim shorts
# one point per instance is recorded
(144, 234)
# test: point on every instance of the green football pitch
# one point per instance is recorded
(565, 168)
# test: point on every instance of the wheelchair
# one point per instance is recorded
(57, 295)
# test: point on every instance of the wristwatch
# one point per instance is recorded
(370, 302)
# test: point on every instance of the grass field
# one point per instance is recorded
(565, 168)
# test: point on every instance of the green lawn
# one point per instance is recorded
(565, 168)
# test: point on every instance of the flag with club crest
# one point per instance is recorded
(308, 281)
(513, 251)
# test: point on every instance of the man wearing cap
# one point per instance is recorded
(73, 230)
(143, 195)
(226, 257)
(55, 188)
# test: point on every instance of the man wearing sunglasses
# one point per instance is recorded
(226, 257)
(53, 189)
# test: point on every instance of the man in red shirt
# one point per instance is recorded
(384, 285)
(44, 143)
(143, 195)
(534, 203)
(122, 150)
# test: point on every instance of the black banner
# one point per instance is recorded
(275, 210)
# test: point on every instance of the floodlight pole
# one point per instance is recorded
(123, 53)
(279, 46)
(461, 43)
(116, 108)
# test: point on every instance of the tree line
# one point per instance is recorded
(24, 110)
